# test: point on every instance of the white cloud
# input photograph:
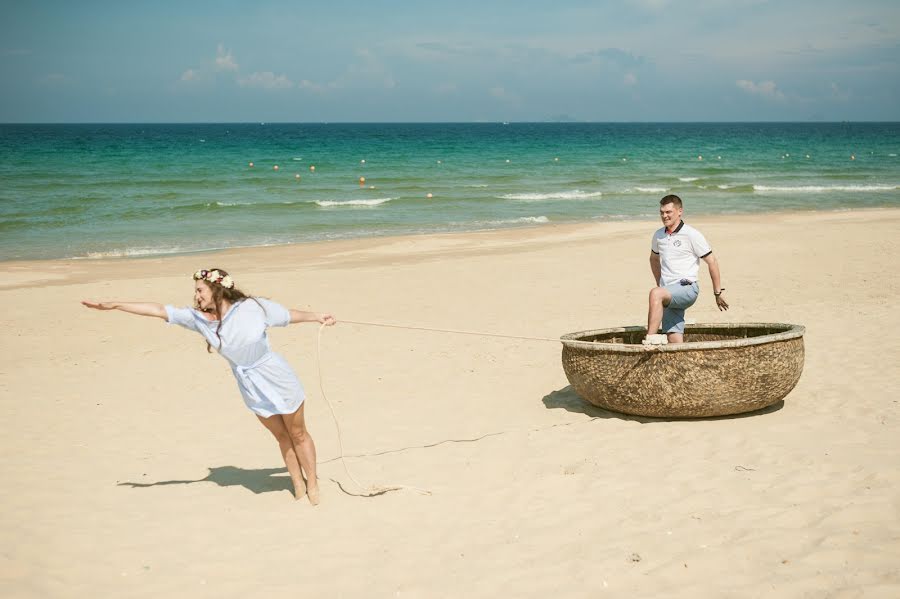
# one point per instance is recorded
(224, 59)
(190, 75)
(366, 72)
(630, 79)
(497, 92)
(766, 89)
(268, 80)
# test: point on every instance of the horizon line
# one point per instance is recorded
(479, 122)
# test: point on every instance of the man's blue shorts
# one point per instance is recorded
(683, 297)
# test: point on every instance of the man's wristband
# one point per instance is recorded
(717, 294)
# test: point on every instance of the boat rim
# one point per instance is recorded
(791, 331)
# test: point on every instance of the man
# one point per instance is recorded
(675, 254)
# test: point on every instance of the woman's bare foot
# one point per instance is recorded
(299, 489)
(313, 493)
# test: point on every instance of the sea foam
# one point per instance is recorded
(504, 222)
(824, 188)
(227, 204)
(649, 189)
(332, 203)
(133, 253)
(575, 194)
(536, 220)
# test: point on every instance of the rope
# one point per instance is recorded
(457, 331)
(380, 490)
(366, 491)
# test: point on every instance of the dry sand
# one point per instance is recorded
(131, 468)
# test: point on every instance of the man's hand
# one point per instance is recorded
(721, 303)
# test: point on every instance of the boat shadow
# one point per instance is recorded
(567, 399)
(258, 480)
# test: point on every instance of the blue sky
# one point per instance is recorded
(376, 61)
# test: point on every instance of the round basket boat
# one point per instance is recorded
(720, 369)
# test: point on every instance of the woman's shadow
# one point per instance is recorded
(262, 480)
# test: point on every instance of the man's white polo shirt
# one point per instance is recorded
(679, 253)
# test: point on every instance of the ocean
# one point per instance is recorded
(95, 191)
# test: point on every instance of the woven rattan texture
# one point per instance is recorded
(709, 381)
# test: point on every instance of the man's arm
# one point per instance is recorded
(655, 267)
(716, 279)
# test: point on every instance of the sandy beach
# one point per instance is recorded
(132, 469)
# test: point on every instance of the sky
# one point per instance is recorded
(450, 61)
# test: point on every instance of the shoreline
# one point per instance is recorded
(16, 274)
(189, 190)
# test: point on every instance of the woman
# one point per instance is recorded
(234, 324)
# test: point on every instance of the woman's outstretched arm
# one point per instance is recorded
(320, 317)
(139, 308)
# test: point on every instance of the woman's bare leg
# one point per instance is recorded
(305, 450)
(276, 426)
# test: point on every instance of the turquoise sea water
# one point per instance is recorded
(88, 191)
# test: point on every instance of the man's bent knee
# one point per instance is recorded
(660, 295)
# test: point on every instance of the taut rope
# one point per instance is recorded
(457, 331)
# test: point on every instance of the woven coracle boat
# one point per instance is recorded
(720, 369)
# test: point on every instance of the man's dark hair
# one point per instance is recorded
(671, 199)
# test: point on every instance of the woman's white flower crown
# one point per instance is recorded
(214, 276)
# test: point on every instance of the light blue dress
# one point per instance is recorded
(266, 381)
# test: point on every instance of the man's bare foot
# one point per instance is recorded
(312, 493)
